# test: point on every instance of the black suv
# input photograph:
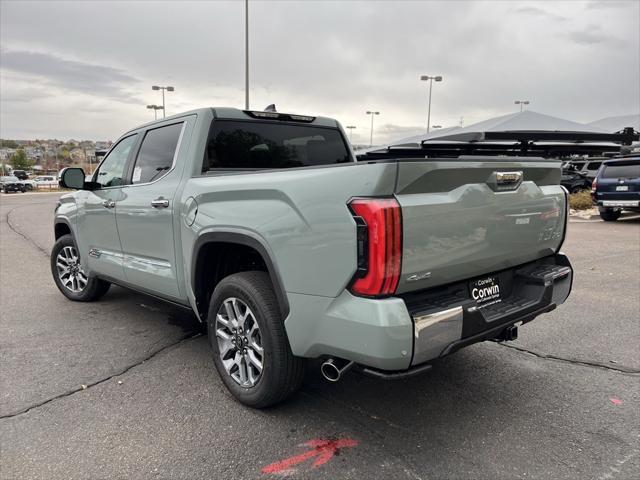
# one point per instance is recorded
(574, 180)
(11, 184)
(617, 187)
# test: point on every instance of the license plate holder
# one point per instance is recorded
(485, 291)
(622, 188)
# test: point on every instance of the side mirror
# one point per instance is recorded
(72, 178)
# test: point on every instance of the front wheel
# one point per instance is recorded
(250, 347)
(610, 215)
(69, 276)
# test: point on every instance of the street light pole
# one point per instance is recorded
(437, 78)
(521, 103)
(371, 137)
(155, 109)
(351, 127)
(168, 89)
(246, 54)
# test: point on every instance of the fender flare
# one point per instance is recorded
(249, 241)
(64, 221)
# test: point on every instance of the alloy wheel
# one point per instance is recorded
(239, 342)
(70, 271)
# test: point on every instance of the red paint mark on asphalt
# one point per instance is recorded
(615, 401)
(324, 450)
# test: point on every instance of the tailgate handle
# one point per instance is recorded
(507, 178)
(505, 181)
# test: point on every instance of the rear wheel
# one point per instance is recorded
(69, 276)
(250, 347)
(609, 215)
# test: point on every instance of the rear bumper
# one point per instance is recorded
(616, 199)
(397, 334)
(618, 203)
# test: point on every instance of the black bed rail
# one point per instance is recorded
(528, 143)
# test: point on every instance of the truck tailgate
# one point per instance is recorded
(466, 217)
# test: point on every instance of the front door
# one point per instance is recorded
(97, 232)
(145, 213)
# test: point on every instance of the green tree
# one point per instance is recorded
(8, 143)
(20, 161)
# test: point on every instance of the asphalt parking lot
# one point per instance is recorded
(125, 387)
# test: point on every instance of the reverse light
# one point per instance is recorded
(379, 240)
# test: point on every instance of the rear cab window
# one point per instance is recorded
(626, 170)
(245, 144)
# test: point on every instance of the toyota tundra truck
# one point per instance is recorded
(288, 248)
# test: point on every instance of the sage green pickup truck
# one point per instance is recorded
(288, 248)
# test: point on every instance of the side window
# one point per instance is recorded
(111, 171)
(156, 154)
(594, 165)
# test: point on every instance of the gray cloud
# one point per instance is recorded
(607, 4)
(591, 36)
(535, 11)
(87, 78)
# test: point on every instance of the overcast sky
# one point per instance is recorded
(84, 69)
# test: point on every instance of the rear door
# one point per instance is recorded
(463, 218)
(145, 213)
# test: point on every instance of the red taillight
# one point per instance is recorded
(379, 246)
(594, 184)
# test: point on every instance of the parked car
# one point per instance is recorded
(617, 187)
(588, 168)
(20, 174)
(574, 180)
(10, 183)
(289, 249)
(29, 184)
(46, 181)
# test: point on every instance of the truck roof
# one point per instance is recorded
(228, 113)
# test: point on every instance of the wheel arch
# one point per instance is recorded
(198, 263)
(62, 227)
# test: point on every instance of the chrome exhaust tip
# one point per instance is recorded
(333, 368)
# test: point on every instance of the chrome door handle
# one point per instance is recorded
(108, 204)
(160, 203)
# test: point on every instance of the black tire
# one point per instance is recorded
(93, 290)
(609, 215)
(282, 372)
